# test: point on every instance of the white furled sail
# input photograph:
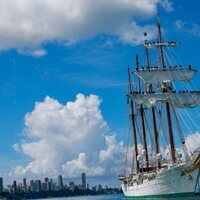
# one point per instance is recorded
(164, 44)
(177, 99)
(153, 75)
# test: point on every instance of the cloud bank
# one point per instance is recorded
(28, 24)
(73, 138)
(68, 139)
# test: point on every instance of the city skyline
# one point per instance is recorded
(48, 184)
(52, 188)
(63, 82)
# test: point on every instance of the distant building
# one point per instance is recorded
(43, 187)
(14, 186)
(60, 182)
(1, 184)
(19, 187)
(51, 184)
(47, 184)
(32, 185)
(99, 188)
(37, 186)
(71, 186)
(80, 187)
(24, 184)
(83, 176)
(94, 188)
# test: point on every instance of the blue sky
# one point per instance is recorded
(93, 63)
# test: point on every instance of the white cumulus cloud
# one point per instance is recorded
(189, 28)
(113, 148)
(113, 153)
(32, 23)
(74, 167)
(67, 139)
(32, 52)
(72, 138)
(193, 141)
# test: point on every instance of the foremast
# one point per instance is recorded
(132, 116)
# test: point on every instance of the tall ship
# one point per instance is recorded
(156, 102)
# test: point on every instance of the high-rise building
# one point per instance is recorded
(37, 186)
(14, 186)
(32, 185)
(99, 188)
(24, 184)
(19, 187)
(43, 187)
(84, 186)
(47, 183)
(60, 182)
(51, 184)
(71, 186)
(1, 184)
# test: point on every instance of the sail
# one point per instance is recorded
(177, 99)
(153, 75)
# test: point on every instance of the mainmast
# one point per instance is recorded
(165, 90)
(133, 121)
(153, 108)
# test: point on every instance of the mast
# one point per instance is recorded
(144, 135)
(141, 109)
(171, 138)
(133, 122)
(156, 134)
(147, 52)
(153, 108)
(160, 41)
(137, 67)
(166, 89)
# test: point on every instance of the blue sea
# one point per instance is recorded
(116, 197)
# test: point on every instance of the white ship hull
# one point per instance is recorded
(171, 182)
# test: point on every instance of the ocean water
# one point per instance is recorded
(118, 197)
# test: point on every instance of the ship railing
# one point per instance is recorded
(158, 44)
